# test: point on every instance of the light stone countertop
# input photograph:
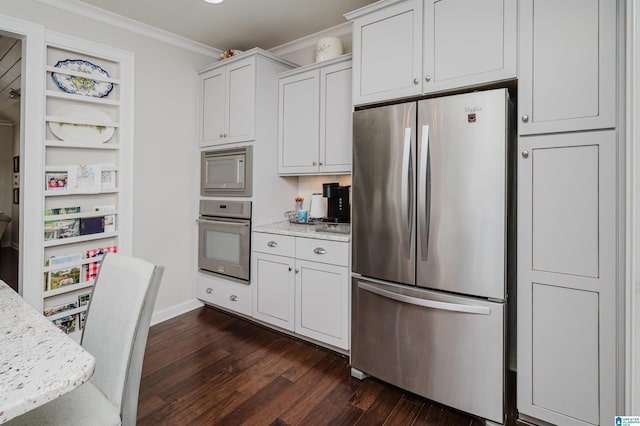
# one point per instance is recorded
(38, 362)
(300, 230)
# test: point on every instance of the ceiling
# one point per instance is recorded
(236, 24)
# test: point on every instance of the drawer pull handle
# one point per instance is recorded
(272, 244)
(319, 250)
(209, 290)
(233, 298)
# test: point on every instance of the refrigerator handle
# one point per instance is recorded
(405, 191)
(423, 205)
(446, 306)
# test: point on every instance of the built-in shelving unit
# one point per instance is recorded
(86, 178)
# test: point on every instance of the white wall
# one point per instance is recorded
(165, 164)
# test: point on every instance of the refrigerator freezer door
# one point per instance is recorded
(446, 348)
(462, 193)
(383, 193)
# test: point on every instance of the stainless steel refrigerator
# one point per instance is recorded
(432, 231)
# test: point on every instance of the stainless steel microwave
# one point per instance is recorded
(227, 172)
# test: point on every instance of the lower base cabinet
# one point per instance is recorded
(229, 295)
(308, 297)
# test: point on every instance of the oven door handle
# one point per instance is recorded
(224, 222)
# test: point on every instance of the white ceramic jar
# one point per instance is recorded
(328, 47)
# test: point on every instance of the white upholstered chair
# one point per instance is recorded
(115, 332)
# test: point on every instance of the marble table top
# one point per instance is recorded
(301, 230)
(38, 362)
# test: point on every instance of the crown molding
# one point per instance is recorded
(340, 30)
(92, 12)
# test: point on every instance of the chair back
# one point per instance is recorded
(117, 326)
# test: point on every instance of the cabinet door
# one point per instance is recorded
(336, 124)
(213, 107)
(273, 289)
(567, 278)
(387, 57)
(298, 130)
(322, 302)
(567, 75)
(241, 101)
(468, 42)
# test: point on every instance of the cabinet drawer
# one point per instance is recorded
(333, 252)
(224, 293)
(282, 245)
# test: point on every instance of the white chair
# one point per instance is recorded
(115, 332)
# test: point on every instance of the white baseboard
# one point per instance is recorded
(174, 311)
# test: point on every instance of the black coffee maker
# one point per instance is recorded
(338, 208)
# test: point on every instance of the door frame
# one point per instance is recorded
(31, 153)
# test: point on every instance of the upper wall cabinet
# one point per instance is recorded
(233, 100)
(228, 103)
(314, 130)
(404, 48)
(567, 75)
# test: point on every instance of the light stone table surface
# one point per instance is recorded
(38, 362)
(306, 231)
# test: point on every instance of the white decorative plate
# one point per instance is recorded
(71, 131)
(81, 85)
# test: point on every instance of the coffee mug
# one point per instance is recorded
(302, 215)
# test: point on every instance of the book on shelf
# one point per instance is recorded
(91, 271)
(61, 260)
(91, 225)
(60, 308)
(66, 324)
(63, 228)
(110, 219)
(62, 210)
(62, 277)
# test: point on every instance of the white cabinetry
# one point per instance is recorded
(86, 179)
(567, 78)
(404, 48)
(302, 285)
(568, 246)
(228, 103)
(314, 132)
(230, 295)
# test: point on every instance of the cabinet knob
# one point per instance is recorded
(221, 135)
(314, 163)
(427, 78)
(525, 154)
(290, 269)
(416, 81)
(272, 244)
(320, 163)
(297, 270)
(525, 118)
(319, 250)
(233, 298)
(209, 290)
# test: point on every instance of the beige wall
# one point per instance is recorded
(165, 164)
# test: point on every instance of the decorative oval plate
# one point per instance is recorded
(90, 133)
(81, 85)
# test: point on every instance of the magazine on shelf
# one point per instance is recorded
(110, 219)
(85, 178)
(91, 271)
(61, 210)
(61, 260)
(63, 228)
(60, 308)
(63, 277)
(83, 299)
(66, 324)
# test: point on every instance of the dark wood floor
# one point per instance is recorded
(9, 266)
(208, 367)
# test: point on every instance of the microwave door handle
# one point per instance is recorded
(427, 303)
(240, 177)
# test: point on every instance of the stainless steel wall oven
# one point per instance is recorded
(224, 238)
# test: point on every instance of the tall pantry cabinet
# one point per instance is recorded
(86, 179)
(567, 215)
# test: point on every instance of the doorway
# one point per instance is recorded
(10, 121)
